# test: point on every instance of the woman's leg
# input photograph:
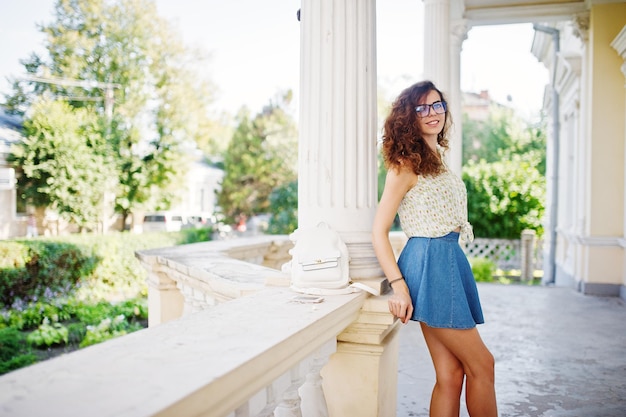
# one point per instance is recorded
(446, 397)
(477, 362)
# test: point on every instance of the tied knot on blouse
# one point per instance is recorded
(467, 233)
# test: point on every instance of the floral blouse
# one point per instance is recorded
(436, 206)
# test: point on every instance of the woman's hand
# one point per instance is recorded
(400, 303)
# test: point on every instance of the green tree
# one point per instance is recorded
(502, 135)
(123, 61)
(260, 157)
(61, 165)
(284, 209)
(505, 197)
(504, 172)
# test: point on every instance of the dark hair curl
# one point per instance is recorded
(403, 142)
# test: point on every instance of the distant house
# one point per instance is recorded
(11, 224)
(203, 180)
(478, 105)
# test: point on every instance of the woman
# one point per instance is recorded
(432, 281)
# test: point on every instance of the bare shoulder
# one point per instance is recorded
(400, 179)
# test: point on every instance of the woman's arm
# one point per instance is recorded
(397, 184)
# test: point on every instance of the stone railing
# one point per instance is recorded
(259, 354)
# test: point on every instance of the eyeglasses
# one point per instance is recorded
(423, 110)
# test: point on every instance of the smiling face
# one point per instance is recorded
(431, 124)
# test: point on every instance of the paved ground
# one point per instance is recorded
(558, 353)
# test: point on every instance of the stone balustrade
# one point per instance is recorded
(189, 278)
(259, 354)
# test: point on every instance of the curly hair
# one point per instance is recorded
(403, 142)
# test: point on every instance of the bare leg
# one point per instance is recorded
(446, 397)
(466, 349)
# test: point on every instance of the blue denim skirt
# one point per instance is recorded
(441, 282)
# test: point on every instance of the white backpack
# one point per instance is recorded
(320, 262)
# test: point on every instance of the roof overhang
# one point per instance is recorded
(495, 12)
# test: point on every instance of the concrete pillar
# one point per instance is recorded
(165, 302)
(528, 255)
(361, 377)
(337, 165)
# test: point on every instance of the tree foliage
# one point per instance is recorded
(124, 64)
(505, 197)
(284, 209)
(502, 135)
(504, 172)
(260, 157)
(62, 167)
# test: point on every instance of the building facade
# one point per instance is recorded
(586, 101)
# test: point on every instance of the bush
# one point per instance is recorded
(14, 352)
(504, 197)
(35, 313)
(88, 316)
(48, 335)
(202, 234)
(39, 269)
(135, 310)
(483, 269)
(119, 275)
(108, 329)
(284, 209)
(76, 333)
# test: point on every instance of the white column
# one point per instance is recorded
(437, 43)
(443, 41)
(337, 161)
(458, 35)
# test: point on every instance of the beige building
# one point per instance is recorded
(586, 101)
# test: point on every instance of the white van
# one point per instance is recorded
(163, 221)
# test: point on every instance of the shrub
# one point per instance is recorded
(504, 197)
(14, 352)
(108, 329)
(48, 334)
(76, 333)
(13, 255)
(86, 317)
(119, 275)
(35, 313)
(42, 270)
(483, 269)
(284, 209)
(202, 234)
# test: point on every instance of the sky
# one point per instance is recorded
(254, 47)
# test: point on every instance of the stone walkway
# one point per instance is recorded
(558, 353)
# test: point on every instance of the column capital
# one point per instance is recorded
(459, 29)
(581, 25)
(619, 44)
